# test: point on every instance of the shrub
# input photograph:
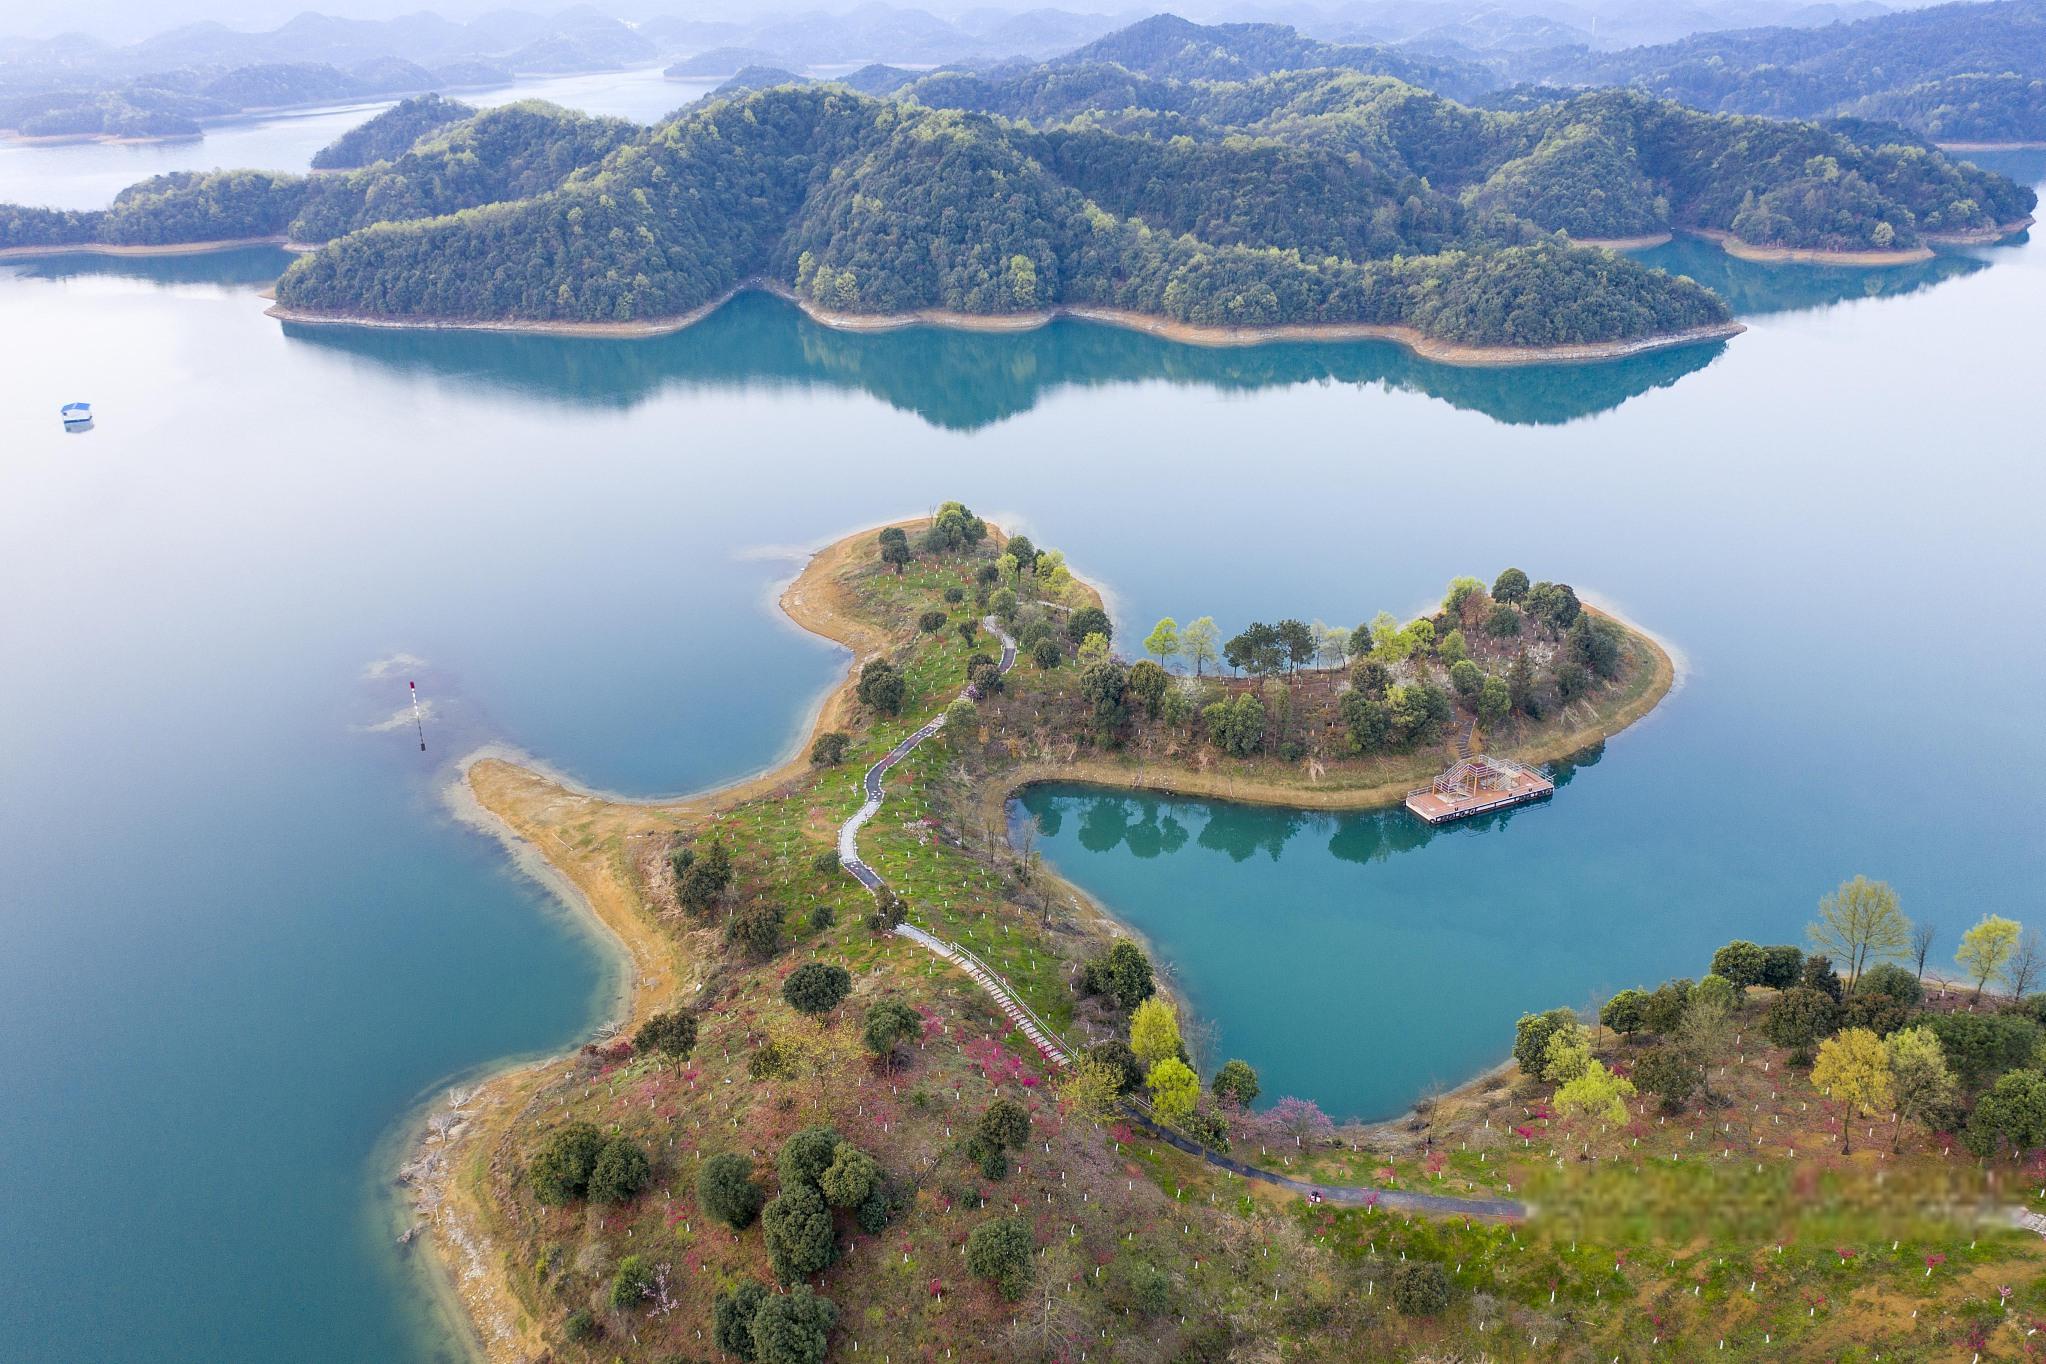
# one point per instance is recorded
(807, 1155)
(1503, 621)
(890, 1023)
(1781, 966)
(1625, 1012)
(816, 987)
(1140, 1286)
(1798, 1018)
(889, 910)
(955, 595)
(1888, 978)
(1122, 973)
(1663, 1011)
(829, 749)
(756, 929)
(1419, 1288)
(632, 1284)
(1665, 1073)
(1089, 620)
(621, 1173)
(999, 1250)
(1117, 1054)
(1235, 1083)
(825, 862)
(851, 1178)
(1531, 1038)
(793, 1327)
(581, 1327)
(732, 1314)
(822, 916)
(1045, 653)
(560, 1171)
(881, 687)
(1818, 974)
(1005, 1126)
(1740, 962)
(726, 1190)
(671, 1034)
(797, 1229)
(930, 622)
(1717, 990)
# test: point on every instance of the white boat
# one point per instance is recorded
(77, 414)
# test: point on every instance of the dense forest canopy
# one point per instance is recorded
(1958, 72)
(1323, 196)
(391, 134)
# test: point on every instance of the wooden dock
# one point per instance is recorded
(1478, 784)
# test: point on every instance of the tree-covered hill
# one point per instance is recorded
(1880, 67)
(1611, 163)
(391, 134)
(1305, 197)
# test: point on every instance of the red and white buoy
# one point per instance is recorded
(417, 722)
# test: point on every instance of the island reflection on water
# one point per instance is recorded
(964, 381)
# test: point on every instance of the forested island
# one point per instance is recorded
(799, 1144)
(1322, 201)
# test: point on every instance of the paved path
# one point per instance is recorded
(1350, 1195)
(1053, 1049)
(1018, 1013)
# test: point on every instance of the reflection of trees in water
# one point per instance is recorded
(966, 380)
(245, 266)
(1153, 825)
(1563, 770)
(1753, 289)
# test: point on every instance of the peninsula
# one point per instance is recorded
(882, 1073)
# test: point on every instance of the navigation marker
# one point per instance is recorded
(417, 723)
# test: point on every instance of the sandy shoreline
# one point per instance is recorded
(116, 249)
(459, 1137)
(1428, 348)
(1641, 243)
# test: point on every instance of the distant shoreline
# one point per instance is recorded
(1641, 243)
(155, 249)
(1803, 255)
(1991, 146)
(1427, 347)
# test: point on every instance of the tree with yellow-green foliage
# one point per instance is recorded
(1568, 1054)
(1853, 1067)
(1089, 1089)
(1921, 1084)
(1175, 1089)
(1986, 947)
(1860, 925)
(1595, 1090)
(1154, 1032)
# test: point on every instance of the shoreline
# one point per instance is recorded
(1802, 255)
(154, 249)
(454, 1138)
(2032, 146)
(1640, 243)
(1426, 347)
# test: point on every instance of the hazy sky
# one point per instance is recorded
(130, 20)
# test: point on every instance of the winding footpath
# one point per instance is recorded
(1054, 1050)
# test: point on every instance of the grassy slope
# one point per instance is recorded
(1621, 1242)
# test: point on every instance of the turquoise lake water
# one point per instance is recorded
(241, 940)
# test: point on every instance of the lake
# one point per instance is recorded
(242, 941)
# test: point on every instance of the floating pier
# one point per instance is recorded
(1475, 785)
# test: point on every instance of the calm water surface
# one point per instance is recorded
(240, 940)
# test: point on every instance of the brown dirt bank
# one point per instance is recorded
(1798, 255)
(1641, 243)
(162, 249)
(1427, 347)
(1981, 236)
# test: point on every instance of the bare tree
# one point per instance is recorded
(2021, 972)
(1921, 946)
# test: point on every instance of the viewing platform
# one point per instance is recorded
(1478, 784)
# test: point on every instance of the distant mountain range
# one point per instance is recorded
(1958, 72)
